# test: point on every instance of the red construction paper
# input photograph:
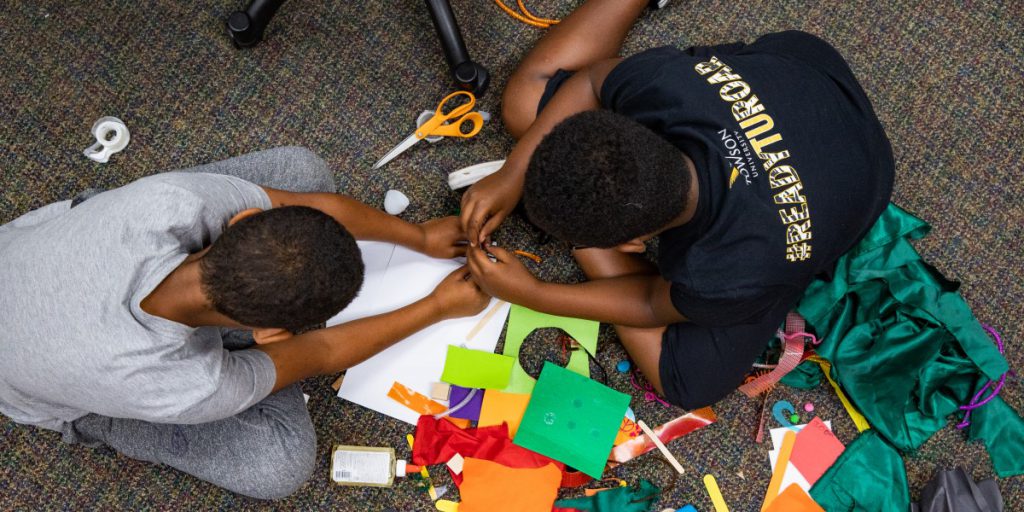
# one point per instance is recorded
(438, 441)
(492, 487)
(815, 450)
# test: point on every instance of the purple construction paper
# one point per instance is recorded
(470, 411)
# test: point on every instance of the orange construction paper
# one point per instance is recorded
(491, 487)
(793, 499)
(500, 407)
(420, 403)
(628, 430)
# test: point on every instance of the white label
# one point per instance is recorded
(361, 467)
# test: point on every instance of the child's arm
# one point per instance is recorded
(486, 204)
(342, 346)
(439, 237)
(640, 300)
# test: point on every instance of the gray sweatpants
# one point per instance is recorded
(267, 451)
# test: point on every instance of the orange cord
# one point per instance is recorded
(527, 17)
(530, 255)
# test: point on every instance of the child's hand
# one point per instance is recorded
(458, 295)
(443, 238)
(505, 277)
(487, 203)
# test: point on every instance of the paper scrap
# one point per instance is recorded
(791, 475)
(395, 277)
(499, 407)
(456, 463)
(469, 411)
(674, 429)
(572, 419)
(816, 449)
(488, 486)
(414, 401)
(476, 368)
(780, 468)
(794, 499)
(523, 321)
(440, 390)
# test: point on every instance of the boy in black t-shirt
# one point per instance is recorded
(755, 165)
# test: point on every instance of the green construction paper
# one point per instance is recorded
(572, 419)
(523, 321)
(476, 369)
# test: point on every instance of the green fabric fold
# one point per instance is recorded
(639, 498)
(905, 346)
(869, 476)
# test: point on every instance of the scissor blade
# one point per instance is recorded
(405, 144)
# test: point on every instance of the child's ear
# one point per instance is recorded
(243, 214)
(264, 335)
(635, 246)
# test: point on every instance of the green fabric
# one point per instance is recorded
(621, 499)
(904, 345)
(869, 476)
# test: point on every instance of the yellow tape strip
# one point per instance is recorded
(858, 419)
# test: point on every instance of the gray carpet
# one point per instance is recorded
(346, 78)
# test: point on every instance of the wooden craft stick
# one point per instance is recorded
(779, 471)
(661, 446)
(716, 494)
(483, 321)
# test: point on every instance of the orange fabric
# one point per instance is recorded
(491, 487)
(794, 499)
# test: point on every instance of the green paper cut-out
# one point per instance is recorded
(476, 369)
(572, 419)
(523, 321)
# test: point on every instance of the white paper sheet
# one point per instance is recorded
(395, 277)
(792, 475)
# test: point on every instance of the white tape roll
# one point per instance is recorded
(111, 136)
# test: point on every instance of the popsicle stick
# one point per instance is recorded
(483, 321)
(716, 494)
(661, 446)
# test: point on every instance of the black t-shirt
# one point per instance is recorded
(792, 165)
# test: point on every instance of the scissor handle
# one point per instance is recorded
(435, 125)
(454, 128)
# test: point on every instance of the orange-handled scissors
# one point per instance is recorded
(444, 124)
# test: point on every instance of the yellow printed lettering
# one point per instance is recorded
(798, 232)
(770, 159)
(791, 195)
(767, 123)
(743, 109)
(798, 252)
(757, 144)
(794, 214)
(734, 91)
(723, 75)
(706, 67)
(782, 175)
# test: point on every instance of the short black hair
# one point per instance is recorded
(601, 179)
(292, 267)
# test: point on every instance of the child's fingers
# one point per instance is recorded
(489, 227)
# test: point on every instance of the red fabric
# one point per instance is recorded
(437, 441)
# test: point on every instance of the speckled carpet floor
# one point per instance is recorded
(346, 78)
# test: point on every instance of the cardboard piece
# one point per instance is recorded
(395, 277)
(523, 321)
(488, 486)
(499, 407)
(572, 419)
(815, 450)
(476, 368)
(470, 411)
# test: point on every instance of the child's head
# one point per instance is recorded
(600, 179)
(289, 268)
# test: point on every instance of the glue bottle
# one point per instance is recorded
(368, 466)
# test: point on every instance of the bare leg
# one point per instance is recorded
(593, 32)
(643, 345)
